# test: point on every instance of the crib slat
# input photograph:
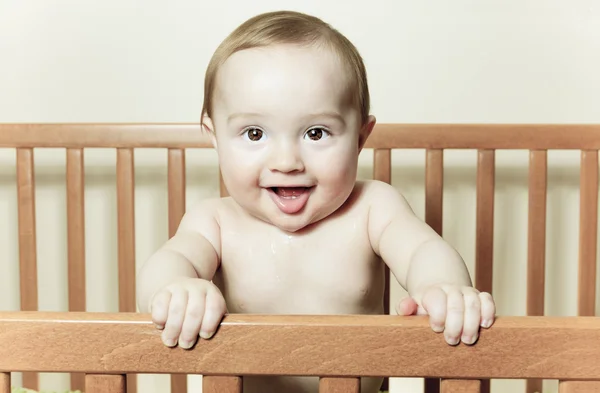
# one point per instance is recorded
(126, 224)
(27, 242)
(176, 210)
(434, 188)
(76, 241)
(382, 165)
(176, 188)
(126, 231)
(588, 230)
(578, 387)
(339, 385)
(536, 232)
(434, 191)
(105, 383)
(221, 384)
(382, 171)
(484, 253)
(460, 386)
(484, 243)
(536, 247)
(5, 383)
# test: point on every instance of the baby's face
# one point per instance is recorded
(286, 133)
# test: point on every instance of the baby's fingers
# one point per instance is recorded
(488, 309)
(434, 303)
(177, 308)
(213, 314)
(455, 313)
(470, 330)
(159, 308)
(193, 319)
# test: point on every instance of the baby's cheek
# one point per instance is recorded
(341, 170)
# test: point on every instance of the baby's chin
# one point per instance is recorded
(293, 223)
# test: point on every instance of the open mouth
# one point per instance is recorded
(290, 200)
(289, 192)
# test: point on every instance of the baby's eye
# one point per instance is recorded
(317, 133)
(254, 134)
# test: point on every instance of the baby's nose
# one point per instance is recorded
(286, 159)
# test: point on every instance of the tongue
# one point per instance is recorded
(290, 200)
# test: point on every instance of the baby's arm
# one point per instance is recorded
(174, 283)
(432, 272)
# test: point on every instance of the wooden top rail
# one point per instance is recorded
(515, 347)
(385, 136)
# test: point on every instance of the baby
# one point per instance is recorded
(286, 103)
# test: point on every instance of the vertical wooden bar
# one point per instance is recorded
(176, 165)
(588, 230)
(5, 383)
(382, 165)
(221, 384)
(578, 387)
(126, 231)
(484, 243)
(484, 249)
(434, 193)
(27, 242)
(339, 385)
(176, 188)
(536, 233)
(536, 247)
(76, 241)
(382, 171)
(460, 386)
(98, 383)
(434, 189)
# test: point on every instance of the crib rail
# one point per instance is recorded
(340, 349)
(385, 136)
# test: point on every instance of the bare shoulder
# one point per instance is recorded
(201, 213)
(385, 204)
(203, 218)
(381, 196)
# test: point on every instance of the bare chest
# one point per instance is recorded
(331, 270)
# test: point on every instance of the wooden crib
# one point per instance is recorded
(102, 349)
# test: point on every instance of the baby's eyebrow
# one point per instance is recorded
(242, 114)
(333, 115)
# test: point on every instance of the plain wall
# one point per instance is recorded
(435, 61)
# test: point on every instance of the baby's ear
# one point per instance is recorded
(207, 126)
(365, 131)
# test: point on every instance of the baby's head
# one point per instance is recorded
(286, 101)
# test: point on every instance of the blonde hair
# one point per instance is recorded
(289, 27)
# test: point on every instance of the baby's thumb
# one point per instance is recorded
(410, 306)
(407, 306)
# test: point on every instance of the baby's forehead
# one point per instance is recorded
(283, 74)
(291, 61)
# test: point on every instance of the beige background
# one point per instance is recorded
(511, 61)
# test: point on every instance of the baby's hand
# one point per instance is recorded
(187, 308)
(457, 311)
